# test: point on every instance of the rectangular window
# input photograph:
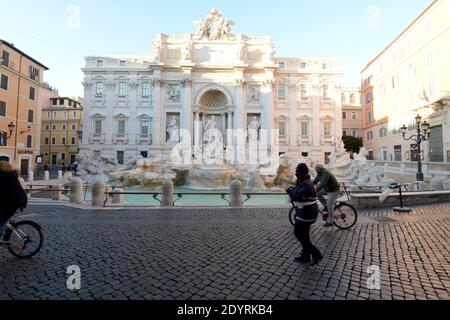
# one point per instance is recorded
(47, 127)
(344, 133)
(121, 128)
(344, 115)
(29, 141)
(99, 88)
(281, 91)
(122, 63)
(5, 57)
(73, 140)
(2, 109)
(145, 89)
(281, 65)
(353, 115)
(4, 82)
(64, 127)
(98, 127)
(398, 153)
(63, 141)
(327, 157)
(305, 129)
(327, 129)
(355, 133)
(74, 127)
(65, 114)
(30, 116)
(46, 141)
(436, 144)
(53, 141)
(99, 63)
(54, 114)
(123, 89)
(34, 73)
(369, 116)
(144, 129)
(61, 102)
(282, 129)
(54, 102)
(303, 65)
(74, 114)
(32, 93)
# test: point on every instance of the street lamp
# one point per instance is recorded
(11, 127)
(423, 134)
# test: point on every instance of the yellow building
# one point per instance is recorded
(411, 76)
(61, 131)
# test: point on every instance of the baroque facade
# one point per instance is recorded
(210, 80)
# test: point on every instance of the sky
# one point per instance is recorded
(60, 33)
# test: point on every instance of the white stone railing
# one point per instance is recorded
(120, 139)
(97, 138)
(144, 139)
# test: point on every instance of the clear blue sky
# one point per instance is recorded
(351, 30)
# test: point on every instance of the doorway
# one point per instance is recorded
(24, 164)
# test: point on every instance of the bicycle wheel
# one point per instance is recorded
(25, 240)
(292, 216)
(345, 216)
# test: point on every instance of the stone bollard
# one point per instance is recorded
(60, 175)
(58, 195)
(236, 194)
(118, 198)
(76, 191)
(46, 175)
(98, 194)
(167, 193)
(30, 176)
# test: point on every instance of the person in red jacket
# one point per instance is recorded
(12, 195)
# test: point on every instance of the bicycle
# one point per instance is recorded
(23, 239)
(345, 214)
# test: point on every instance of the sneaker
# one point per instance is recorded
(316, 260)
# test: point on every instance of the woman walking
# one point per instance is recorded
(305, 199)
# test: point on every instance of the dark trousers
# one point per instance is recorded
(302, 233)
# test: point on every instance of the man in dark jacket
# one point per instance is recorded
(327, 185)
(304, 198)
(12, 195)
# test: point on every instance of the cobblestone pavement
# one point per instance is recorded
(229, 254)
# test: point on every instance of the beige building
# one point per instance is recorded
(61, 130)
(411, 76)
(352, 114)
(21, 78)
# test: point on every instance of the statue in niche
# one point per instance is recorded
(187, 53)
(172, 94)
(173, 130)
(214, 141)
(253, 129)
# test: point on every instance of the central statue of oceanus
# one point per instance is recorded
(214, 27)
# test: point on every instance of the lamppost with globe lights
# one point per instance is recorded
(423, 134)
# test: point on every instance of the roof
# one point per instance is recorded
(401, 34)
(10, 45)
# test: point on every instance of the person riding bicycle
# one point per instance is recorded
(327, 185)
(12, 195)
(304, 197)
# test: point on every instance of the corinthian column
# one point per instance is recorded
(267, 115)
(186, 111)
(157, 112)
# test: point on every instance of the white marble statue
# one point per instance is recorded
(173, 130)
(214, 27)
(253, 129)
(214, 139)
(187, 53)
